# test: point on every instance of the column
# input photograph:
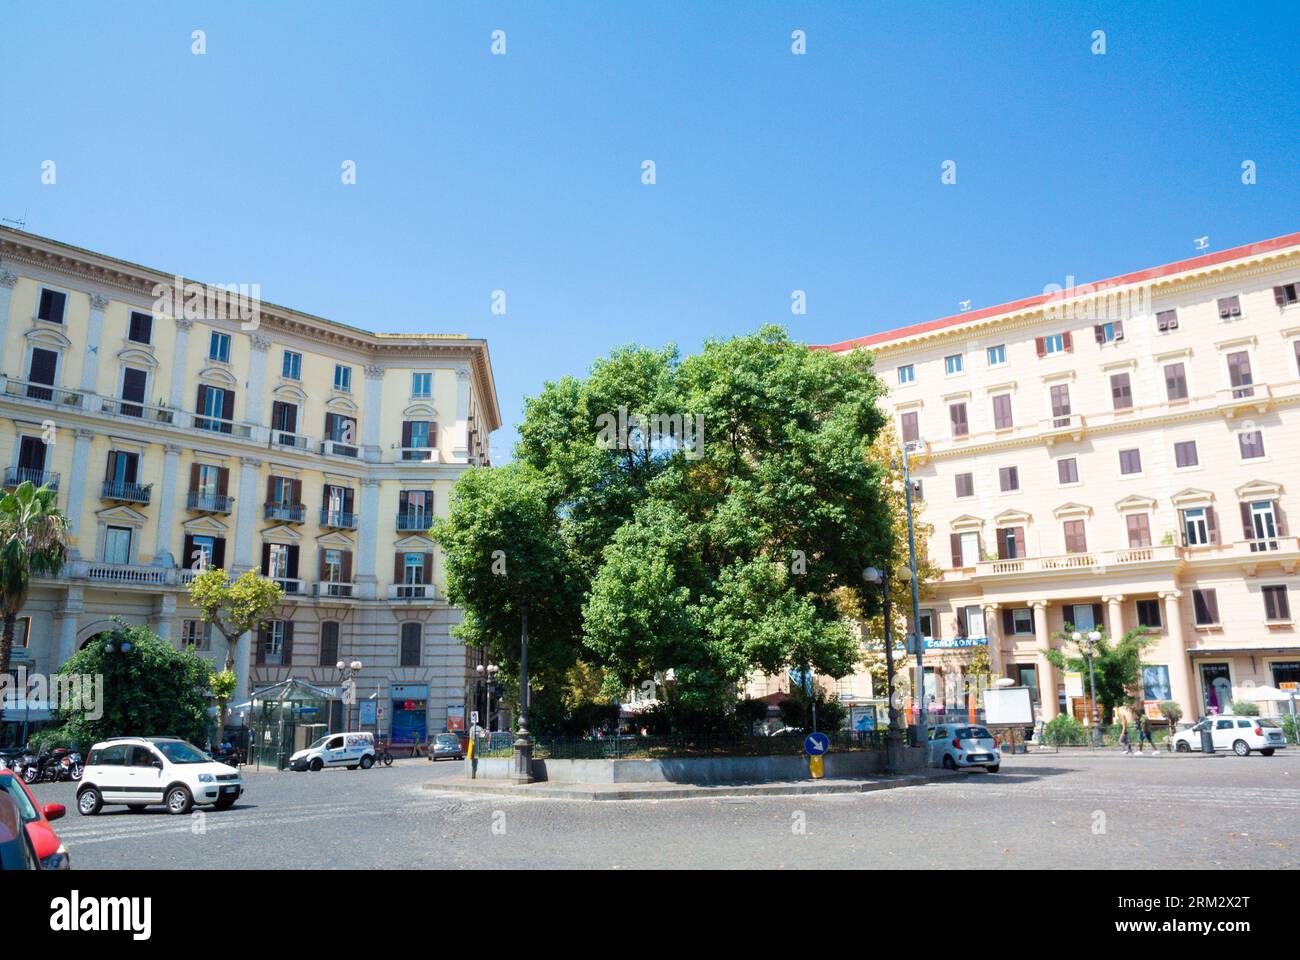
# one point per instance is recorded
(94, 333)
(993, 629)
(7, 282)
(368, 540)
(371, 414)
(256, 385)
(1180, 670)
(1115, 615)
(243, 657)
(162, 554)
(165, 617)
(1046, 672)
(68, 621)
(76, 482)
(179, 357)
(246, 513)
(460, 437)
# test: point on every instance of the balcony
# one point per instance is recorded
(294, 441)
(414, 520)
(331, 589)
(1249, 554)
(209, 503)
(417, 455)
(410, 591)
(285, 512)
(43, 393)
(235, 428)
(1095, 561)
(290, 585)
(129, 574)
(1067, 425)
(339, 519)
(333, 448)
(40, 478)
(126, 492)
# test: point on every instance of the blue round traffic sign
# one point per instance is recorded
(816, 744)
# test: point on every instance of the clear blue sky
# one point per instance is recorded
(775, 172)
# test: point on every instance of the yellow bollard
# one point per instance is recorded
(817, 766)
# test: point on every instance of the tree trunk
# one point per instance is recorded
(7, 642)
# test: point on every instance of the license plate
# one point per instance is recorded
(229, 789)
(979, 756)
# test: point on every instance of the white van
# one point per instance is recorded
(349, 750)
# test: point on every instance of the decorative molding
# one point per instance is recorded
(374, 372)
(261, 344)
(1068, 510)
(7, 279)
(98, 302)
(183, 323)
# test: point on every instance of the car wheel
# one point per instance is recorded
(179, 801)
(225, 803)
(993, 768)
(89, 802)
(1240, 749)
(948, 762)
(1267, 751)
(367, 762)
(1184, 747)
(137, 807)
(352, 767)
(316, 766)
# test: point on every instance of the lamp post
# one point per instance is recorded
(893, 735)
(923, 731)
(488, 676)
(349, 684)
(521, 761)
(1089, 641)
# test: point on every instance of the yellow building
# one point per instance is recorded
(1121, 453)
(186, 423)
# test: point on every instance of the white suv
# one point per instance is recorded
(1241, 735)
(140, 771)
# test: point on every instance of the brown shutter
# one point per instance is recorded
(187, 552)
(261, 645)
(111, 469)
(1280, 518)
(228, 404)
(1040, 344)
(1247, 528)
(406, 433)
(1020, 542)
(1002, 545)
(1099, 333)
(1279, 296)
(286, 656)
(398, 563)
(428, 568)
(1212, 524)
(347, 566)
(1008, 622)
(961, 622)
(194, 477)
(293, 562)
(433, 432)
(320, 560)
(266, 559)
(219, 553)
(223, 480)
(1068, 339)
(270, 489)
(198, 403)
(954, 541)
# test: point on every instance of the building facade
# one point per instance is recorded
(1102, 457)
(185, 424)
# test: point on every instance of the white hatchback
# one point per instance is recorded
(957, 745)
(141, 771)
(1241, 735)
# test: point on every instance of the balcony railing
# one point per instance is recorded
(285, 512)
(236, 428)
(126, 492)
(42, 393)
(116, 407)
(209, 502)
(1095, 560)
(414, 519)
(40, 478)
(128, 573)
(289, 585)
(331, 588)
(333, 448)
(341, 519)
(417, 455)
(410, 591)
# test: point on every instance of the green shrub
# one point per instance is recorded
(1063, 729)
(1245, 708)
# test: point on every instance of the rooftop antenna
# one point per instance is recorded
(21, 224)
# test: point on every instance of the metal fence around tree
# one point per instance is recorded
(635, 747)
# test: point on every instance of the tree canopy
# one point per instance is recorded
(1117, 665)
(682, 521)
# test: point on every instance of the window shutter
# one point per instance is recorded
(1020, 542)
(219, 553)
(320, 559)
(293, 562)
(1279, 296)
(1212, 605)
(1098, 616)
(406, 433)
(266, 559)
(433, 433)
(428, 568)
(954, 542)
(347, 566)
(287, 654)
(1099, 332)
(1279, 518)
(261, 645)
(111, 470)
(187, 554)
(1002, 545)
(1008, 622)
(199, 404)
(1212, 524)
(270, 489)
(1119, 329)
(398, 563)
(961, 622)
(1247, 528)
(1040, 345)
(1067, 339)
(132, 464)
(347, 500)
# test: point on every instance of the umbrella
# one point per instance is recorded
(1272, 694)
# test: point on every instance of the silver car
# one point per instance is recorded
(446, 746)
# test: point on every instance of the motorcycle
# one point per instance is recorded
(71, 766)
(226, 754)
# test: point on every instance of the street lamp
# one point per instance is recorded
(893, 735)
(488, 676)
(349, 684)
(521, 761)
(923, 731)
(1089, 641)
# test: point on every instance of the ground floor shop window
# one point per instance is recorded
(1216, 688)
(1286, 674)
(1155, 684)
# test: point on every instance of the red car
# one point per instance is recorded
(52, 853)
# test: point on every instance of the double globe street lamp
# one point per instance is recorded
(349, 673)
(1088, 641)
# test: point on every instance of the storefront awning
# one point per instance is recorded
(1249, 651)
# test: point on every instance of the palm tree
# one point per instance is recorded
(33, 540)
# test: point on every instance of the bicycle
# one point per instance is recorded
(383, 754)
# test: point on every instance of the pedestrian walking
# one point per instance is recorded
(1123, 732)
(1144, 733)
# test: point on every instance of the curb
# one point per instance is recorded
(683, 792)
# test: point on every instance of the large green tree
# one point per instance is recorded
(1117, 665)
(680, 521)
(33, 542)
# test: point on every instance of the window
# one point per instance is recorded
(1019, 621)
(196, 634)
(329, 643)
(1176, 382)
(1287, 294)
(1076, 539)
(140, 328)
(1251, 443)
(202, 552)
(957, 417)
(910, 428)
(340, 429)
(1060, 405)
(1260, 520)
(1011, 543)
(1109, 332)
(284, 421)
(927, 624)
(272, 648)
(965, 549)
(1205, 604)
(280, 563)
(117, 545)
(1148, 612)
(1276, 604)
(216, 407)
(1053, 343)
(1155, 683)
(342, 378)
(417, 435)
(1239, 374)
(1002, 412)
(219, 347)
(1121, 392)
(291, 366)
(123, 469)
(413, 568)
(1130, 462)
(411, 644)
(51, 306)
(1185, 454)
(1229, 307)
(970, 622)
(1199, 527)
(332, 566)
(1067, 470)
(415, 509)
(1167, 320)
(43, 368)
(1083, 616)
(22, 632)
(134, 383)
(421, 384)
(906, 374)
(997, 355)
(1008, 479)
(965, 484)
(1139, 530)
(953, 364)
